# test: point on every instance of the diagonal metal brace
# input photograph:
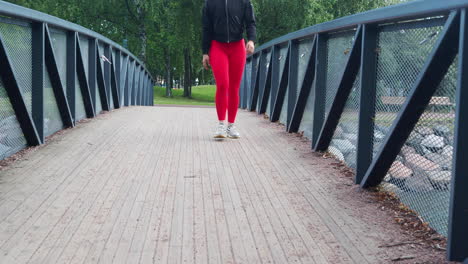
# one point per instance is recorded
(432, 74)
(344, 89)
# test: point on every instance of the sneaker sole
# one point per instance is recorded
(219, 137)
(234, 137)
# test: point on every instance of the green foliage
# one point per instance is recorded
(201, 95)
(158, 31)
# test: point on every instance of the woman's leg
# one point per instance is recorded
(219, 64)
(237, 56)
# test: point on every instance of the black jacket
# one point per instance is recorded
(225, 20)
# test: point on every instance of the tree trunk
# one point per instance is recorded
(141, 29)
(187, 74)
(168, 73)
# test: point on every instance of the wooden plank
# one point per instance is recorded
(151, 190)
(40, 205)
(199, 204)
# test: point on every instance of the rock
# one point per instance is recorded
(427, 151)
(400, 158)
(421, 150)
(377, 146)
(351, 137)
(406, 150)
(10, 132)
(3, 150)
(440, 179)
(350, 127)
(419, 183)
(400, 171)
(387, 178)
(448, 151)
(379, 136)
(442, 131)
(433, 142)
(389, 187)
(383, 129)
(337, 153)
(351, 160)
(339, 132)
(9, 121)
(416, 161)
(345, 146)
(443, 161)
(425, 131)
(415, 139)
(449, 140)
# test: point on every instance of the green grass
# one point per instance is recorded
(201, 95)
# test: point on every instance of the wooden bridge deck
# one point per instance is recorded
(149, 185)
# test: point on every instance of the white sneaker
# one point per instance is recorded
(232, 132)
(220, 132)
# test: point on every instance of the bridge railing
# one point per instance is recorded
(382, 91)
(54, 73)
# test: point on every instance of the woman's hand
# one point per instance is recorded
(250, 48)
(206, 61)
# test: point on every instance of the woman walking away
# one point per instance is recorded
(225, 50)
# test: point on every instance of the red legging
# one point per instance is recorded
(227, 61)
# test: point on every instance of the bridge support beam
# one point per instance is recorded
(13, 90)
(38, 71)
(102, 88)
(320, 85)
(433, 72)
(344, 89)
(54, 76)
(299, 105)
(281, 88)
(265, 89)
(93, 63)
(71, 73)
(367, 101)
(115, 85)
(457, 248)
(254, 84)
(293, 72)
(83, 80)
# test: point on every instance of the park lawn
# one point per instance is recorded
(201, 95)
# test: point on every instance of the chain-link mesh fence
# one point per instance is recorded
(52, 118)
(344, 143)
(305, 50)
(338, 48)
(11, 136)
(284, 110)
(280, 60)
(255, 67)
(80, 110)
(131, 76)
(123, 77)
(306, 125)
(17, 38)
(84, 45)
(248, 82)
(137, 83)
(264, 66)
(422, 172)
(59, 43)
(402, 50)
